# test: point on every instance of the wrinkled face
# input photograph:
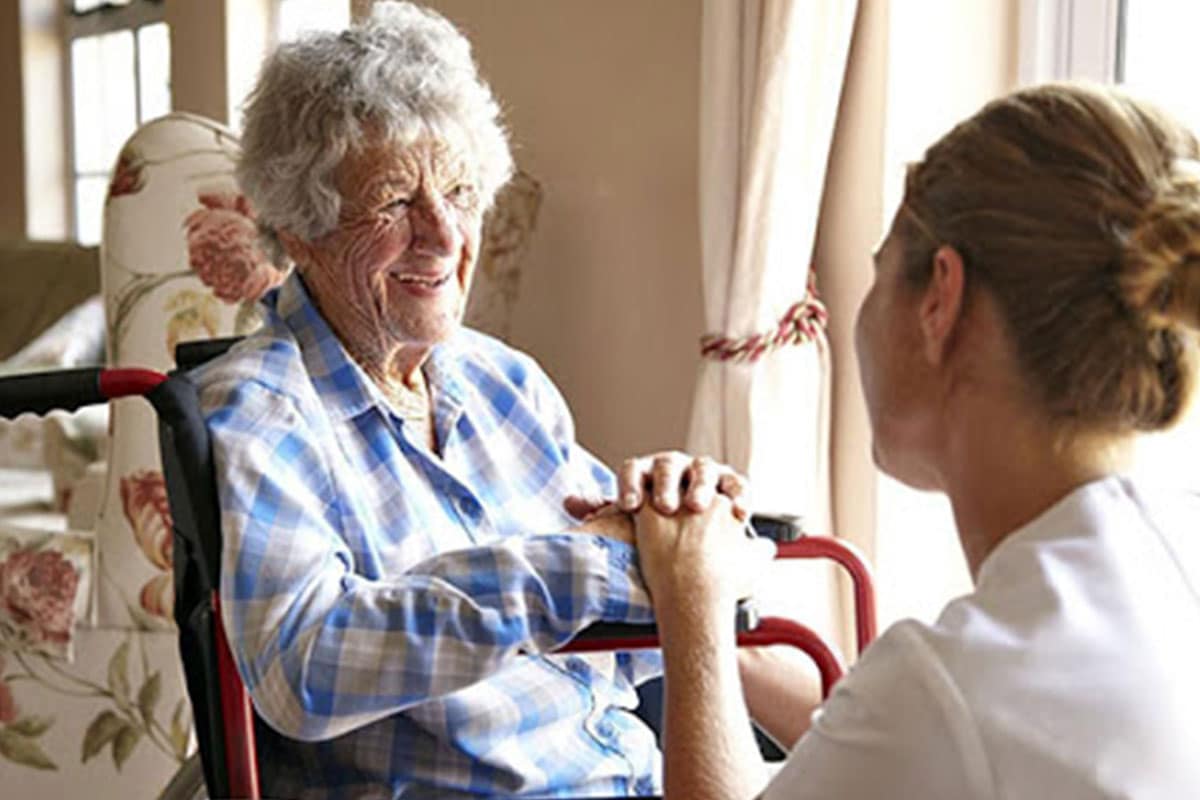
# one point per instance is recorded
(396, 269)
(897, 383)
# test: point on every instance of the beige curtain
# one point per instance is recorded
(900, 94)
(771, 78)
(851, 223)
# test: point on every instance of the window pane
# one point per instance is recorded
(105, 106)
(154, 71)
(89, 208)
(80, 6)
(1161, 57)
(85, 55)
(298, 16)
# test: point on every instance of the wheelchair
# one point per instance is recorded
(226, 764)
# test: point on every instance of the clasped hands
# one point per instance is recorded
(687, 517)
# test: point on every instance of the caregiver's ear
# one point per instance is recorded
(942, 303)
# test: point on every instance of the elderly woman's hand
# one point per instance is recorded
(610, 521)
(699, 562)
(673, 482)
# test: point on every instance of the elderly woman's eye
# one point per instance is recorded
(397, 204)
(461, 194)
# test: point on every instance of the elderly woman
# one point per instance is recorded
(1036, 304)
(394, 488)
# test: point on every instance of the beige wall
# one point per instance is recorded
(602, 101)
(216, 47)
(198, 57)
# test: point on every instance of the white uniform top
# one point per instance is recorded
(1072, 671)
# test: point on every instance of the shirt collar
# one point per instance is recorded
(345, 387)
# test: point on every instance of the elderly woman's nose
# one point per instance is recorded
(433, 230)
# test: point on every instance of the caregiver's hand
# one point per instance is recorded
(699, 563)
(672, 481)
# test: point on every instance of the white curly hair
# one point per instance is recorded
(406, 71)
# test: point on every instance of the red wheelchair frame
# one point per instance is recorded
(224, 716)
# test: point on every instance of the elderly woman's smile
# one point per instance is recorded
(392, 277)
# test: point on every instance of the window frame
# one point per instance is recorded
(1071, 40)
(108, 17)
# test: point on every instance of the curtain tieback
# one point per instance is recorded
(799, 324)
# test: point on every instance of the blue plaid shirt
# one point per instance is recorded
(389, 608)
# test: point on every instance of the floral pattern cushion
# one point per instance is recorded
(114, 725)
(44, 589)
(180, 260)
(144, 501)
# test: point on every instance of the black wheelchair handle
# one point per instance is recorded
(69, 389)
(41, 392)
(193, 353)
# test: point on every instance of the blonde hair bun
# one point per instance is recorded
(1161, 277)
(1077, 208)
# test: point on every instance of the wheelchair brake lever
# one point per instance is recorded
(747, 610)
(747, 615)
(777, 527)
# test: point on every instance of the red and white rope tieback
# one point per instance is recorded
(799, 324)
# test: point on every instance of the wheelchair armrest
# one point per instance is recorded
(614, 637)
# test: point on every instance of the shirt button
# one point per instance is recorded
(604, 730)
(468, 506)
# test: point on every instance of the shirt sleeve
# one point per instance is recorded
(895, 726)
(594, 479)
(639, 666)
(323, 650)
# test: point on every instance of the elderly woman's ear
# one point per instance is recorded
(297, 249)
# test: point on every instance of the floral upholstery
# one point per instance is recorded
(179, 261)
(43, 588)
(112, 725)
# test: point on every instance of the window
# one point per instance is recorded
(1159, 56)
(119, 76)
(297, 16)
